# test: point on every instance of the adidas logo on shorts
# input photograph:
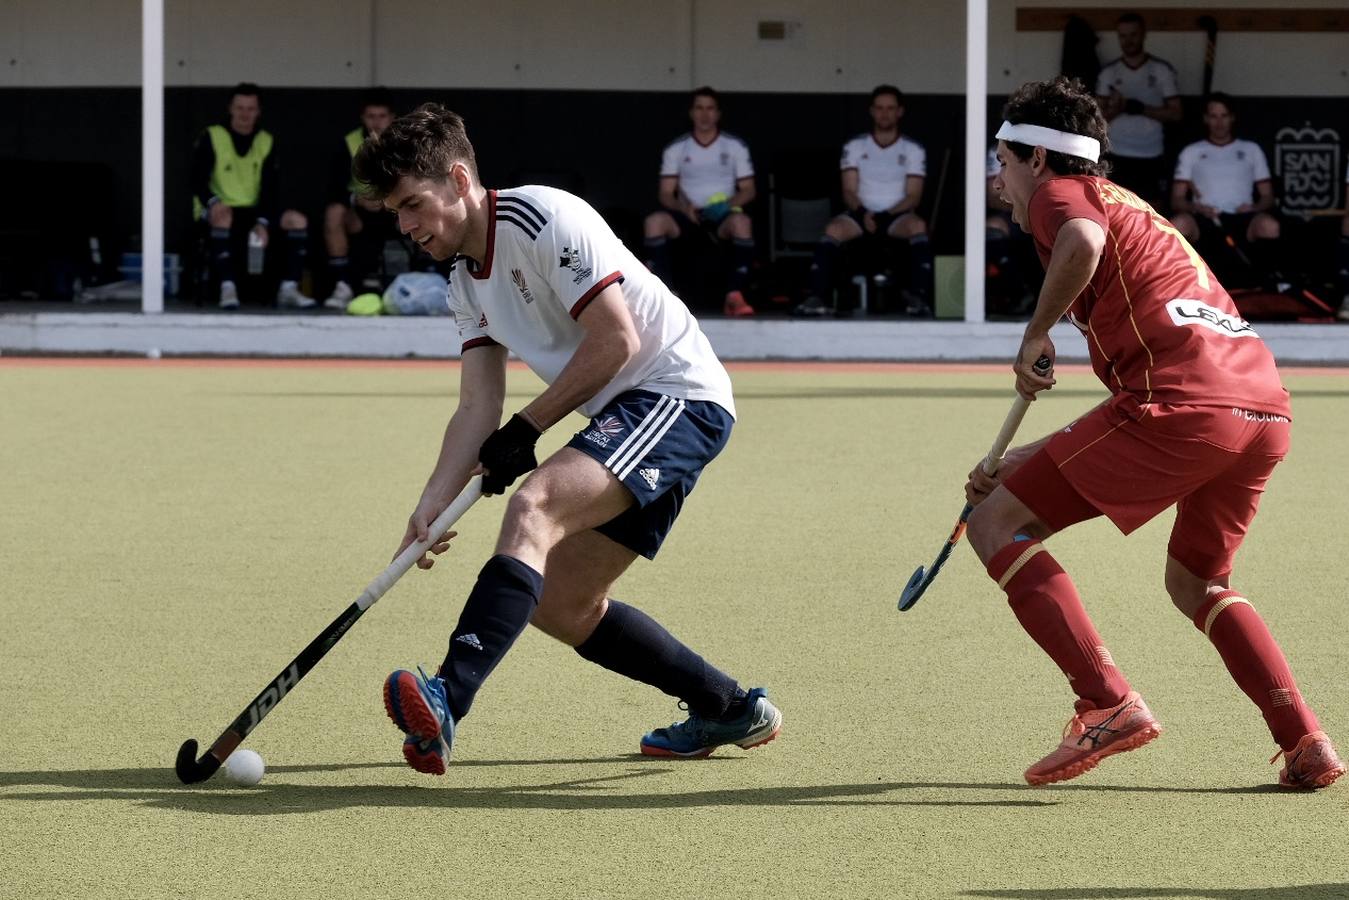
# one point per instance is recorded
(650, 476)
(470, 639)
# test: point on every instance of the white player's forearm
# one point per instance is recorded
(596, 361)
(467, 429)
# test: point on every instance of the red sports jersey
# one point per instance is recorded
(1158, 324)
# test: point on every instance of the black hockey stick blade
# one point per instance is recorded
(914, 589)
(191, 770)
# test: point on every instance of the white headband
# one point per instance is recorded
(1080, 145)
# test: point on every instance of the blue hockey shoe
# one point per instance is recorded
(417, 704)
(696, 737)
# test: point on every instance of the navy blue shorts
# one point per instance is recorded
(657, 446)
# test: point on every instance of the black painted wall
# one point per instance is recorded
(607, 143)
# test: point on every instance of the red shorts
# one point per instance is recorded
(1130, 462)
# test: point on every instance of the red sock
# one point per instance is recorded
(1048, 607)
(1257, 664)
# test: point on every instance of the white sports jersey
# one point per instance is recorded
(548, 255)
(704, 170)
(1223, 176)
(1152, 83)
(882, 172)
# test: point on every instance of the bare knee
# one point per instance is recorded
(569, 618)
(1264, 227)
(1187, 226)
(1187, 590)
(841, 230)
(908, 226)
(220, 215)
(998, 521)
(529, 519)
(294, 220)
(660, 224)
(739, 227)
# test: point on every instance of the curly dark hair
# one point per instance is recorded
(425, 143)
(1063, 104)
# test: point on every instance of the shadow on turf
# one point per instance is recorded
(156, 787)
(1290, 892)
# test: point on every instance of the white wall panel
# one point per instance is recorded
(72, 43)
(582, 44)
(1247, 64)
(829, 46)
(298, 43)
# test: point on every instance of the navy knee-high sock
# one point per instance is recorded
(497, 610)
(221, 257)
(742, 258)
(339, 270)
(920, 265)
(822, 269)
(633, 644)
(297, 248)
(658, 258)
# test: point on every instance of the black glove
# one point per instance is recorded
(1133, 107)
(507, 454)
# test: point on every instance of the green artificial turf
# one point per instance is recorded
(172, 536)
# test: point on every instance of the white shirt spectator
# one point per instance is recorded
(994, 166)
(883, 171)
(1223, 176)
(704, 170)
(1152, 84)
(548, 255)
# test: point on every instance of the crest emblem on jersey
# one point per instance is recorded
(519, 278)
(571, 259)
(725, 159)
(903, 159)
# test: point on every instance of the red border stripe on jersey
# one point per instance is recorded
(477, 342)
(579, 306)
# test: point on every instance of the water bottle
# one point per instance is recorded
(95, 261)
(395, 258)
(256, 249)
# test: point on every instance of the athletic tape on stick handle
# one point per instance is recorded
(191, 769)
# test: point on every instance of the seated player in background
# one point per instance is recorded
(354, 226)
(1197, 418)
(706, 180)
(235, 187)
(882, 174)
(610, 341)
(1139, 95)
(1014, 274)
(1222, 199)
